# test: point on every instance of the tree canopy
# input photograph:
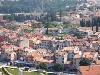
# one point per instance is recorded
(85, 62)
(31, 5)
(58, 67)
(43, 66)
(79, 36)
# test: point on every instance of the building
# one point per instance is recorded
(89, 70)
(90, 55)
(61, 57)
(76, 61)
(71, 50)
(85, 32)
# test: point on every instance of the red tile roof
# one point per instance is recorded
(90, 70)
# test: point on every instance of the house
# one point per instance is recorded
(89, 70)
(71, 50)
(85, 32)
(65, 30)
(24, 42)
(34, 43)
(94, 44)
(26, 25)
(41, 58)
(90, 55)
(95, 35)
(42, 51)
(46, 42)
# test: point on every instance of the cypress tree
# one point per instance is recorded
(92, 24)
(47, 24)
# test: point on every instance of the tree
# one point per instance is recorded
(58, 67)
(82, 23)
(79, 36)
(85, 62)
(43, 66)
(8, 18)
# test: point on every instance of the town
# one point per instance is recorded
(63, 43)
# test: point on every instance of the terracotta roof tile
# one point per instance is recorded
(90, 70)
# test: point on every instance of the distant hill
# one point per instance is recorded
(14, 6)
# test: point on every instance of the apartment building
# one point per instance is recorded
(71, 50)
(46, 42)
(61, 57)
(76, 60)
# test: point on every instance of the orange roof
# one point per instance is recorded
(59, 52)
(97, 33)
(16, 48)
(67, 62)
(35, 55)
(5, 46)
(88, 54)
(95, 41)
(84, 30)
(47, 38)
(69, 48)
(97, 62)
(76, 56)
(44, 60)
(21, 47)
(90, 70)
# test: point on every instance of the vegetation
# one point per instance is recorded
(58, 67)
(19, 18)
(31, 5)
(36, 26)
(51, 32)
(94, 22)
(12, 71)
(79, 36)
(85, 62)
(27, 30)
(43, 66)
(8, 18)
(2, 71)
(16, 72)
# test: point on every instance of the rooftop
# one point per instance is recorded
(90, 70)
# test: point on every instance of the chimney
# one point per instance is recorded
(89, 67)
(85, 56)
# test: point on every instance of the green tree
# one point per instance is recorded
(85, 62)
(27, 30)
(43, 66)
(58, 67)
(79, 36)
(8, 17)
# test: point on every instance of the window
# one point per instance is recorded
(74, 66)
(62, 58)
(74, 62)
(56, 58)
(62, 61)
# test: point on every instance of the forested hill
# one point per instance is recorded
(31, 5)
